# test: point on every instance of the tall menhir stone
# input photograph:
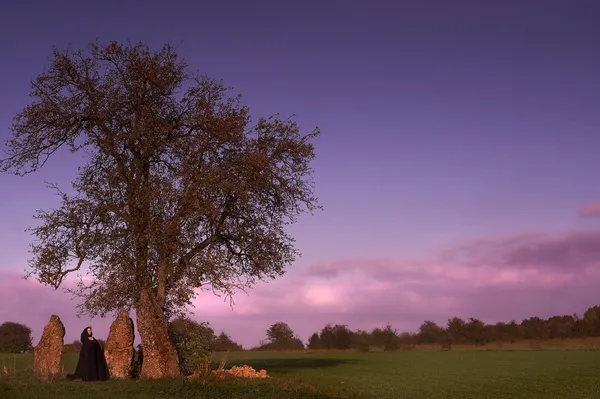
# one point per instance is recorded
(46, 355)
(118, 350)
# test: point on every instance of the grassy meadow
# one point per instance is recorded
(461, 373)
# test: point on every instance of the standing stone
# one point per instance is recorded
(46, 355)
(118, 350)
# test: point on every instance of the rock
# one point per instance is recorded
(118, 350)
(46, 355)
(240, 372)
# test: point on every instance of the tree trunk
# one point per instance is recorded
(160, 357)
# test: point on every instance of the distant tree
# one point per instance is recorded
(314, 342)
(499, 332)
(361, 340)
(280, 332)
(579, 328)
(14, 337)
(181, 189)
(193, 342)
(407, 340)
(534, 328)
(280, 336)
(560, 326)
(477, 332)
(386, 338)
(456, 330)
(431, 333)
(336, 337)
(514, 331)
(224, 343)
(591, 321)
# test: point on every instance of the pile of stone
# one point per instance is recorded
(240, 372)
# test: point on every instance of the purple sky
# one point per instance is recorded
(459, 165)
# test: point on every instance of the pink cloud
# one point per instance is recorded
(28, 302)
(591, 209)
(492, 279)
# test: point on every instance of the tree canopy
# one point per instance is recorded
(281, 336)
(181, 189)
(14, 337)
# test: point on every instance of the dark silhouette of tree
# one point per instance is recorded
(280, 336)
(224, 343)
(515, 331)
(579, 327)
(534, 328)
(460, 332)
(280, 332)
(314, 341)
(407, 340)
(591, 321)
(181, 188)
(430, 333)
(14, 337)
(386, 338)
(477, 332)
(361, 340)
(456, 329)
(335, 337)
(560, 326)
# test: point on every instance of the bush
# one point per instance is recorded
(15, 338)
(74, 347)
(193, 342)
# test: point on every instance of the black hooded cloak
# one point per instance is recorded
(92, 364)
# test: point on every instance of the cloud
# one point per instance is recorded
(28, 302)
(529, 274)
(591, 209)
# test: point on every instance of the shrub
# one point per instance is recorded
(14, 338)
(193, 343)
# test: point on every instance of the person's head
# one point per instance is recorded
(89, 331)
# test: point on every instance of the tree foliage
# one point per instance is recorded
(14, 337)
(386, 338)
(280, 336)
(193, 342)
(224, 343)
(314, 342)
(335, 337)
(181, 190)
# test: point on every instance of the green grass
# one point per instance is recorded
(414, 374)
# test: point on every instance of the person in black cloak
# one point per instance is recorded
(92, 364)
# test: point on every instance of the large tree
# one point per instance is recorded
(181, 189)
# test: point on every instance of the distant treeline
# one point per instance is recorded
(15, 337)
(459, 331)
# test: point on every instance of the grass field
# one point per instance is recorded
(414, 374)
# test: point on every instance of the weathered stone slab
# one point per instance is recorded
(119, 350)
(46, 355)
